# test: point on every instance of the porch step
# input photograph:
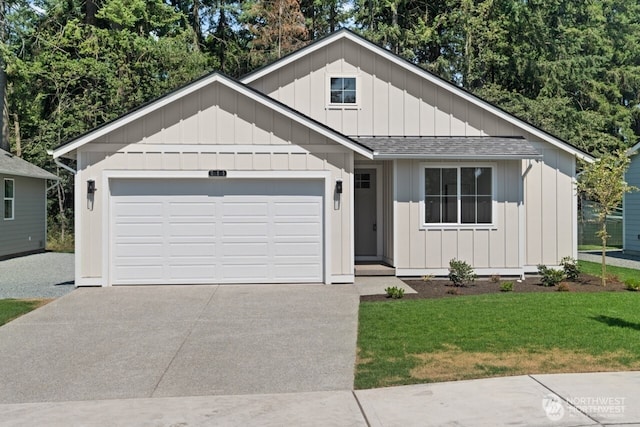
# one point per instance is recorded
(374, 270)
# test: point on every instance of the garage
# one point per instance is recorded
(210, 231)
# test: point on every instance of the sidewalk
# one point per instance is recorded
(540, 400)
(614, 257)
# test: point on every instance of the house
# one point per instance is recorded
(631, 206)
(23, 221)
(338, 152)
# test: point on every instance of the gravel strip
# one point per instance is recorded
(615, 258)
(46, 275)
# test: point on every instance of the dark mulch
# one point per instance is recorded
(443, 288)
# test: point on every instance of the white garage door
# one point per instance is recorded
(191, 231)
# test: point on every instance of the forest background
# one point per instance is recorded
(571, 67)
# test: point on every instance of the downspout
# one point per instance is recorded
(62, 165)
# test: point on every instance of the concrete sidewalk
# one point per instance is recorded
(540, 400)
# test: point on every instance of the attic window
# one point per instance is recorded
(343, 91)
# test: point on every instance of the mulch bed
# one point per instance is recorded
(443, 288)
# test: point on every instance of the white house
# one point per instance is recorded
(338, 152)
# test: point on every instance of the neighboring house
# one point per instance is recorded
(631, 206)
(338, 152)
(23, 213)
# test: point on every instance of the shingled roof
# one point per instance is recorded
(456, 147)
(13, 165)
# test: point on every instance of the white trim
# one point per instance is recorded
(12, 198)
(213, 148)
(342, 278)
(352, 212)
(416, 272)
(199, 84)
(458, 225)
(432, 78)
(89, 281)
(344, 106)
(394, 196)
(78, 218)
(379, 212)
(162, 174)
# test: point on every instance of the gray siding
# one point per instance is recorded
(27, 231)
(631, 242)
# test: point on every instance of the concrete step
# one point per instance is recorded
(374, 270)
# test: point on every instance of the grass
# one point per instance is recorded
(13, 308)
(419, 341)
(595, 269)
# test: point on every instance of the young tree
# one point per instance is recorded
(603, 182)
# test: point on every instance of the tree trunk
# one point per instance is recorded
(91, 8)
(4, 125)
(603, 236)
(16, 131)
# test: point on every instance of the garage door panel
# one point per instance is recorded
(192, 250)
(216, 231)
(290, 249)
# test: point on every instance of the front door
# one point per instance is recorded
(366, 224)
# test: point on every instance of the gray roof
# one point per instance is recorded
(450, 147)
(13, 165)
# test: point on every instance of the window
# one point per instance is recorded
(9, 198)
(458, 195)
(362, 180)
(343, 91)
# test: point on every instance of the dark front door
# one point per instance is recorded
(366, 224)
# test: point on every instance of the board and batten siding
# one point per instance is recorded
(631, 225)
(392, 100)
(187, 136)
(27, 231)
(432, 248)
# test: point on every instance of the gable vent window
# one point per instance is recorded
(343, 91)
(9, 198)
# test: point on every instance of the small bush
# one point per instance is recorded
(461, 273)
(550, 276)
(632, 285)
(563, 287)
(394, 292)
(495, 278)
(506, 287)
(427, 277)
(570, 267)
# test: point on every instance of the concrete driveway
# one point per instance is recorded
(163, 341)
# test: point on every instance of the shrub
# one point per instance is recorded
(495, 278)
(460, 272)
(563, 287)
(506, 287)
(550, 276)
(427, 277)
(394, 292)
(570, 267)
(632, 284)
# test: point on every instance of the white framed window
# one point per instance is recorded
(343, 91)
(457, 195)
(9, 198)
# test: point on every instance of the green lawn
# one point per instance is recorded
(596, 247)
(416, 341)
(595, 269)
(12, 308)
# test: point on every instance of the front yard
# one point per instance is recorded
(13, 308)
(464, 337)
